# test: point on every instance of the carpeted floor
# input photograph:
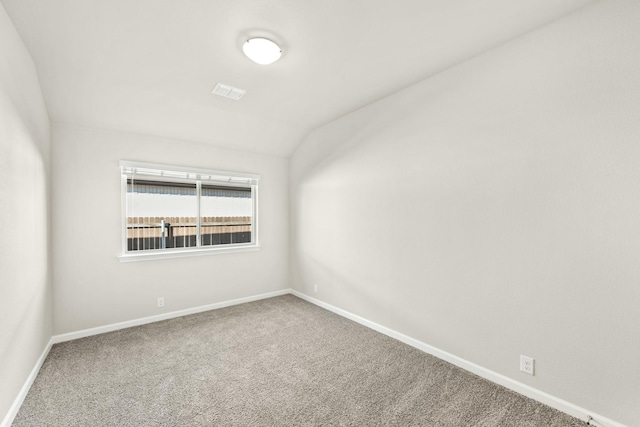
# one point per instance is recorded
(275, 362)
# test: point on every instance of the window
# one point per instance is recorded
(170, 211)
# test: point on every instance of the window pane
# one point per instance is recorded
(225, 215)
(160, 215)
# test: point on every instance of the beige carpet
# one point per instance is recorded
(275, 362)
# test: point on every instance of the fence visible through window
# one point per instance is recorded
(150, 233)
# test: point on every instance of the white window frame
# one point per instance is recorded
(197, 176)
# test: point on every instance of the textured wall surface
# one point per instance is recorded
(93, 288)
(25, 291)
(492, 210)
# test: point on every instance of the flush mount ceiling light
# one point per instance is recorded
(262, 51)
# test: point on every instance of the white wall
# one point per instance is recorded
(494, 210)
(92, 288)
(25, 291)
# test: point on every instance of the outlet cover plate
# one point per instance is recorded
(527, 365)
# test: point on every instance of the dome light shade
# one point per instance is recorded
(262, 51)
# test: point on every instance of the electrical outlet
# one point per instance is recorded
(527, 365)
(315, 289)
(160, 302)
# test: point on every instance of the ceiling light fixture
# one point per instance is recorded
(262, 51)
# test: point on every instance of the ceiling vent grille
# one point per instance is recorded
(228, 91)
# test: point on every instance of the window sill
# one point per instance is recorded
(181, 253)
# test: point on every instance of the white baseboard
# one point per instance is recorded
(15, 407)
(524, 389)
(143, 321)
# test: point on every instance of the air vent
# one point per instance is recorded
(228, 91)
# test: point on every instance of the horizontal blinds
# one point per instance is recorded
(160, 187)
(219, 191)
(185, 188)
(156, 172)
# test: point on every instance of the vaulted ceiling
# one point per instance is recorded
(148, 66)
